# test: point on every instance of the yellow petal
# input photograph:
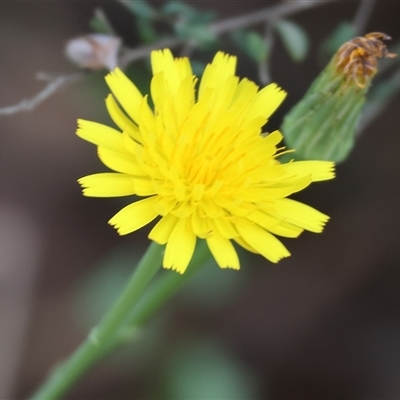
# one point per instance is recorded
(215, 74)
(266, 101)
(223, 251)
(282, 189)
(301, 215)
(262, 241)
(127, 94)
(107, 184)
(159, 60)
(157, 90)
(277, 226)
(180, 247)
(134, 216)
(100, 135)
(183, 68)
(185, 99)
(245, 92)
(119, 162)
(120, 118)
(273, 138)
(241, 242)
(174, 70)
(224, 98)
(318, 170)
(263, 219)
(147, 124)
(201, 226)
(225, 227)
(163, 229)
(286, 230)
(165, 205)
(225, 63)
(144, 186)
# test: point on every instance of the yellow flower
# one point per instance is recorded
(201, 163)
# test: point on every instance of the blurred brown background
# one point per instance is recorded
(323, 324)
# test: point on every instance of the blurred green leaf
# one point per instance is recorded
(179, 8)
(294, 38)
(99, 22)
(257, 47)
(203, 369)
(383, 91)
(190, 24)
(101, 286)
(214, 288)
(379, 99)
(204, 17)
(198, 33)
(140, 8)
(341, 34)
(146, 30)
(252, 43)
(188, 14)
(239, 38)
(95, 294)
(197, 67)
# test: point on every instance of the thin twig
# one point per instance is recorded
(227, 25)
(363, 15)
(49, 90)
(188, 48)
(130, 55)
(266, 14)
(264, 74)
(374, 108)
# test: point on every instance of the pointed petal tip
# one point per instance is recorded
(119, 229)
(280, 257)
(234, 267)
(174, 268)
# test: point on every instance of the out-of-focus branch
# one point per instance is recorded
(129, 55)
(267, 14)
(230, 24)
(362, 16)
(264, 73)
(377, 105)
(54, 86)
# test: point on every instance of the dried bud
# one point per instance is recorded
(358, 58)
(323, 124)
(95, 51)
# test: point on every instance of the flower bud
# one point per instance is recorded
(323, 124)
(94, 51)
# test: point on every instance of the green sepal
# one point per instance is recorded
(323, 124)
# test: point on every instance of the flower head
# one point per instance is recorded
(201, 163)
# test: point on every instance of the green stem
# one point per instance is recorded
(157, 295)
(165, 287)
(103, 338)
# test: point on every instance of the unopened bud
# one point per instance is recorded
(95, 51)
(323, 124)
